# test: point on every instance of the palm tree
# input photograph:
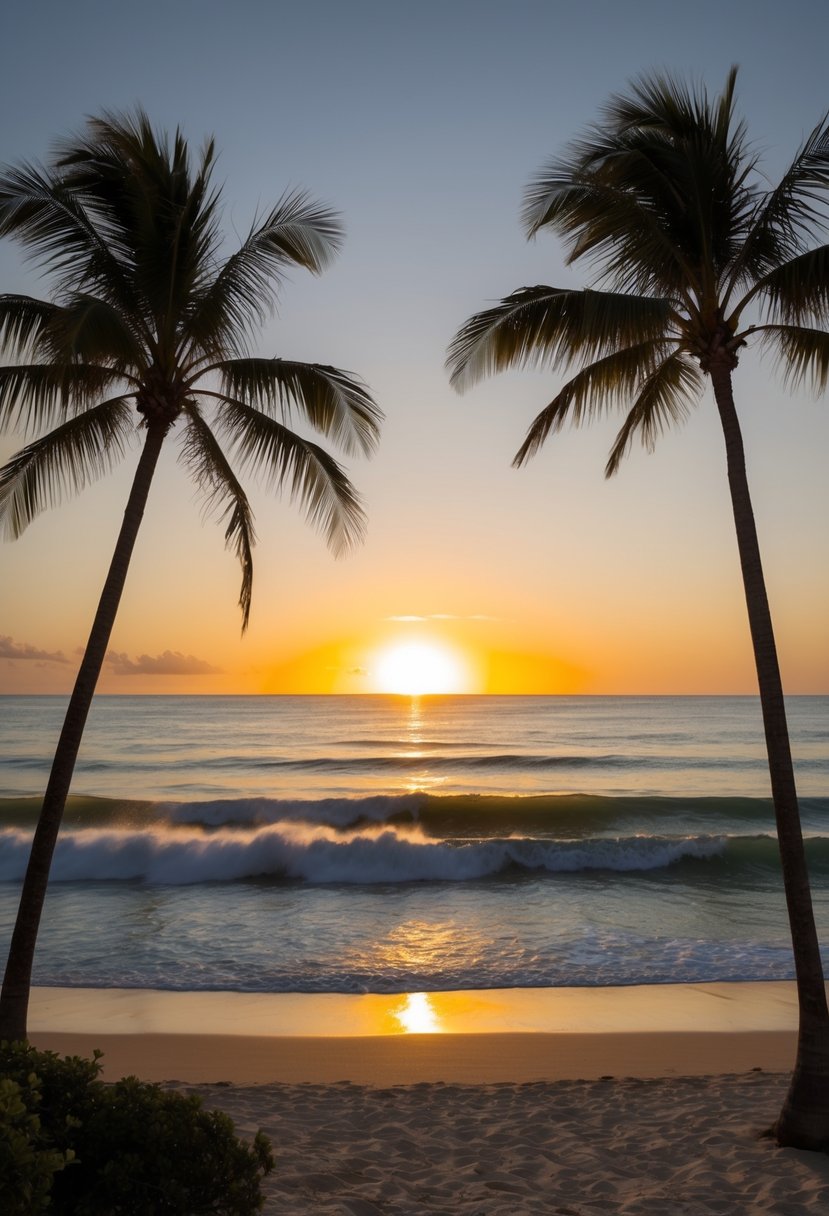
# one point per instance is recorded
(148, 331)
(663, 196)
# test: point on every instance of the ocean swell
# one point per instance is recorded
(321, 854)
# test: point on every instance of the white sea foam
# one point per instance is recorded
(321, 854)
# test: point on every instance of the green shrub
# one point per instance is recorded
(130, 1149)
(26, 1167)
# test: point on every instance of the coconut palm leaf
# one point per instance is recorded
(802, 353)
(592, 391)
(202, 455)
(296, 232)
(662, 102)
(662, 403)
(797, 289)
(63, 462)
(22, 320)
(87, 328)
(35, 395)
(546, 326)
(306, 471)
(334, 402)
(158, 216)
(47, 218)
(642, 206)
(590, 213)
(788, 217)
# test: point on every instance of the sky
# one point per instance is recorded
(422, 124)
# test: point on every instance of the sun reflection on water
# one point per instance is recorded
(414, 747)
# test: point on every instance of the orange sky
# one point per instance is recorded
(423, 126)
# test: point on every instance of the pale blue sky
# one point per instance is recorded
(422, 124)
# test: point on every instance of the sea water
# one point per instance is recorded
(384, 844)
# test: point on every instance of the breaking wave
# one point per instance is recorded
(381, 853)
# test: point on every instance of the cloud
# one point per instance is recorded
(9, 649)
(170, 663)
(444, 616)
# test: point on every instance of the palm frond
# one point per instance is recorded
(301, 232)
(296, 232)
(598, 220)
(305, 471)
(22, 320)
(202, 455)
(801, 352)
(663, 401)
(90, 330)
(63, 462)
(591, 392)
(334, 402)
(36, 395)
(47, 218)
(656, 193)
(786, 218)
(798, 290)
(549, 326)
(663, 103)
(127, 221)
(139, 187)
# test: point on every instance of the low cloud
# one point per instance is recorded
(9, 649)
(170, 663)
(444, 616)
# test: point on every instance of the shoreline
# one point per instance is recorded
(471, 1038)
(369, 1120)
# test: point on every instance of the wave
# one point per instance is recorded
(374, 854)
(431, 757)
(464, 815)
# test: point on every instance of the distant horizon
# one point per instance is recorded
(434, 696)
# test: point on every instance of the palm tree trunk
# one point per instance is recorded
(804, 1119)
(14, 999)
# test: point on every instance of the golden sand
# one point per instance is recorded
(570, 1102)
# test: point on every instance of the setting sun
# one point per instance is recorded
(417, 668)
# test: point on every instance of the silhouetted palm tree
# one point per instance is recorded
(148, 332)
(664, 197)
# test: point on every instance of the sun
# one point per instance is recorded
(415, 669)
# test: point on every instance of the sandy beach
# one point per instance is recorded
(577, 1102)
(574, 1148)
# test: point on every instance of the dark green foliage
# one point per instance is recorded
(26, 1167)
(128, 1149)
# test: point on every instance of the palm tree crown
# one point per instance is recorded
(149, 328)
(664, 197)
(146, 316)
(695, 257)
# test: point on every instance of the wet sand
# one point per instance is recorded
(575, 1102)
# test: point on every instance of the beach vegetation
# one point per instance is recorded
(147, 336)
(697, 258)
(75, 1146)
(27, 1163)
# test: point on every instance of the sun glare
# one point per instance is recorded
(417, 1014)
(416, 669)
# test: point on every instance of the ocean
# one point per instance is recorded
(390, 844)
